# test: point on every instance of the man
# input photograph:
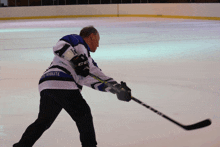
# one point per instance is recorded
(62, 82)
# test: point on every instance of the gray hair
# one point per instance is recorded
(86, 31)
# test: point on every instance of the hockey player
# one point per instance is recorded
(62, 82)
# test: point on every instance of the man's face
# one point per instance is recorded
(94, 42)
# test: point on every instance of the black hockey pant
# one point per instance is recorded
(51, 103)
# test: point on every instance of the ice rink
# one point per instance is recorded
(172, 65)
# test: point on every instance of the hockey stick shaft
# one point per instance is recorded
(198, 125)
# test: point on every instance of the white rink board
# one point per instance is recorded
(195, 10)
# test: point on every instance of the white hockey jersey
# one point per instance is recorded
(61, 75)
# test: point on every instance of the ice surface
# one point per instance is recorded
(172, 65)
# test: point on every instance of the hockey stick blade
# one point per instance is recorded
(198, 125)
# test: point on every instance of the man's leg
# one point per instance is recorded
(49, 110)
(73, 102)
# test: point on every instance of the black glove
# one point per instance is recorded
(124, 93)
(81, 65)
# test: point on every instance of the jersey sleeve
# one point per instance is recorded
(67, 51)
(95, 84)
(64, 50)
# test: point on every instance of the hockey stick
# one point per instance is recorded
(198, 125)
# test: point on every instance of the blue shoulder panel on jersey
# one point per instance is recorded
(74, 40)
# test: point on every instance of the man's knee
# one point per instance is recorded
(43, 123)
